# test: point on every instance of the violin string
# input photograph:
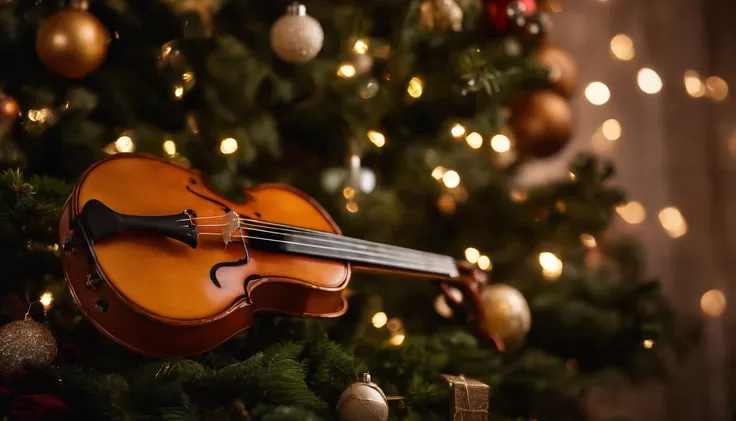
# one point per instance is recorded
(391, 260)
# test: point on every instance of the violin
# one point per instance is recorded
(165, 266)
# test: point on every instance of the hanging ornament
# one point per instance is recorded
(563, 71)
(507, 315)
(9, 111)
(72, 42)
(509, 15)
(440, 14)
(296, 37)
(542, 123)
(363, 401)
(469, 398)
(25, 342)
(176, 68)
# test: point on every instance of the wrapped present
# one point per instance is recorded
(469, 398)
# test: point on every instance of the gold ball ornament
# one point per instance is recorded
(563, 71)
(72, 43)
(507, 315)
(542, 123)
(363, 401)
(25, 342)
(296, 37)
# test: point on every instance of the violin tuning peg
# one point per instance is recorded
(93, 281)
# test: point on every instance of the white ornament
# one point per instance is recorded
(363, 401)
(296, 37)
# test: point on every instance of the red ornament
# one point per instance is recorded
(510, 14)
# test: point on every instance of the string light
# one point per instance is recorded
(673, 222)
(622, 47)
(597, 93)
(474, 140)
(451, 179)
(500, 143)
(649, 81)
(397, 339)
(571, 175)
(360, 46)
(551, 265)
(379, 320)
(438, 173)
(170, 147)
(693, 85)
(647, 343)
(124, 144)
(457, 130)
(377, 138)
(611, 129)
(348, 192)
(632, 212)
(713, 303)
(352, 207)
(228, 146)
(716, 88)
(415, 87)
(588, 240)
(46, 299)
(346, 71)
(484, 263)
(472, 255)
(178, 91)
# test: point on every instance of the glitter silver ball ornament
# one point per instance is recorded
(363, 401)
(296, 37)
(25, 342)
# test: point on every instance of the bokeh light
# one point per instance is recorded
(611, 129)
(597, 93)
(632, 212)
(415, 87)
(360, 46)
(472, 254)
(377, 138)
(622, 47)
(713, 303)
(346, 71)
(694, 85)
(451, 179)
(46, 299)
(124, 144)
(500, 143)
(474, 140)
(484, 263)
(379, 320)
(169, 147)
(457, 130)
(228, 146)
(649, 81)
(673, 222)
(551, 265)
(716, 88)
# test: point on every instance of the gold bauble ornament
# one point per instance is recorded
(296, 37)
(563, 71)
(25, 342)
(441, 14)
(542, 123)
(506, 313)
(72, 42)
(363, 401)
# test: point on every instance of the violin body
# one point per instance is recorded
(181, 284)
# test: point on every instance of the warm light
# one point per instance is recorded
(124, 144)
(716, 88)
(622, 47)
(439, 172)
(360, 46)
(187, 76)
(377, 138)
(597, 93)
(352, 207)
(647, 343)
(178, 91)
(518, 196)
(397, 340)
(632, 212)
(693, 85)
(451, 179)
(475, 140)
(394, 324)
(379, 320)
(228, 146)
(571, 175)
(588, 240)
(457, 130)
(484, 262)
(649, 81)
(170, 147)
(500, 143)
(346, 71)
(415, 87)
(472, 255)
(46, 299)
(551, 265)
(611, 129)
(713, 303)
(348, 192)
(673, 222)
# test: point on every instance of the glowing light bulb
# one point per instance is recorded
(588, 240)
(451, 179)
(500, 143)
(597, 93)
(169, 147)
(474, 140)
(647, 343)
(348, 192)
(716, 88)
(611, 129)
(228, 146)
(457, 130)
(632, 212)
(360, 46)
(694, 85)
(379, 320)
(713, 303)
(415, 87)
(124, 144)
(178, 91)
(438, 173)
(377, 138)
(46, 299)
(472, 255)
(673, 222)
(484, 262)
(649, 81)
(551, 265)
(352, 207)
(622, 47)
(397, 339)
(346, 71)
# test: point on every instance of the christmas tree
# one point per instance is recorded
(407, 121)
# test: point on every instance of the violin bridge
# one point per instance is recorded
(230, 225)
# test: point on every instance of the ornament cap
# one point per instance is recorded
(366, 378)
(296, 9)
